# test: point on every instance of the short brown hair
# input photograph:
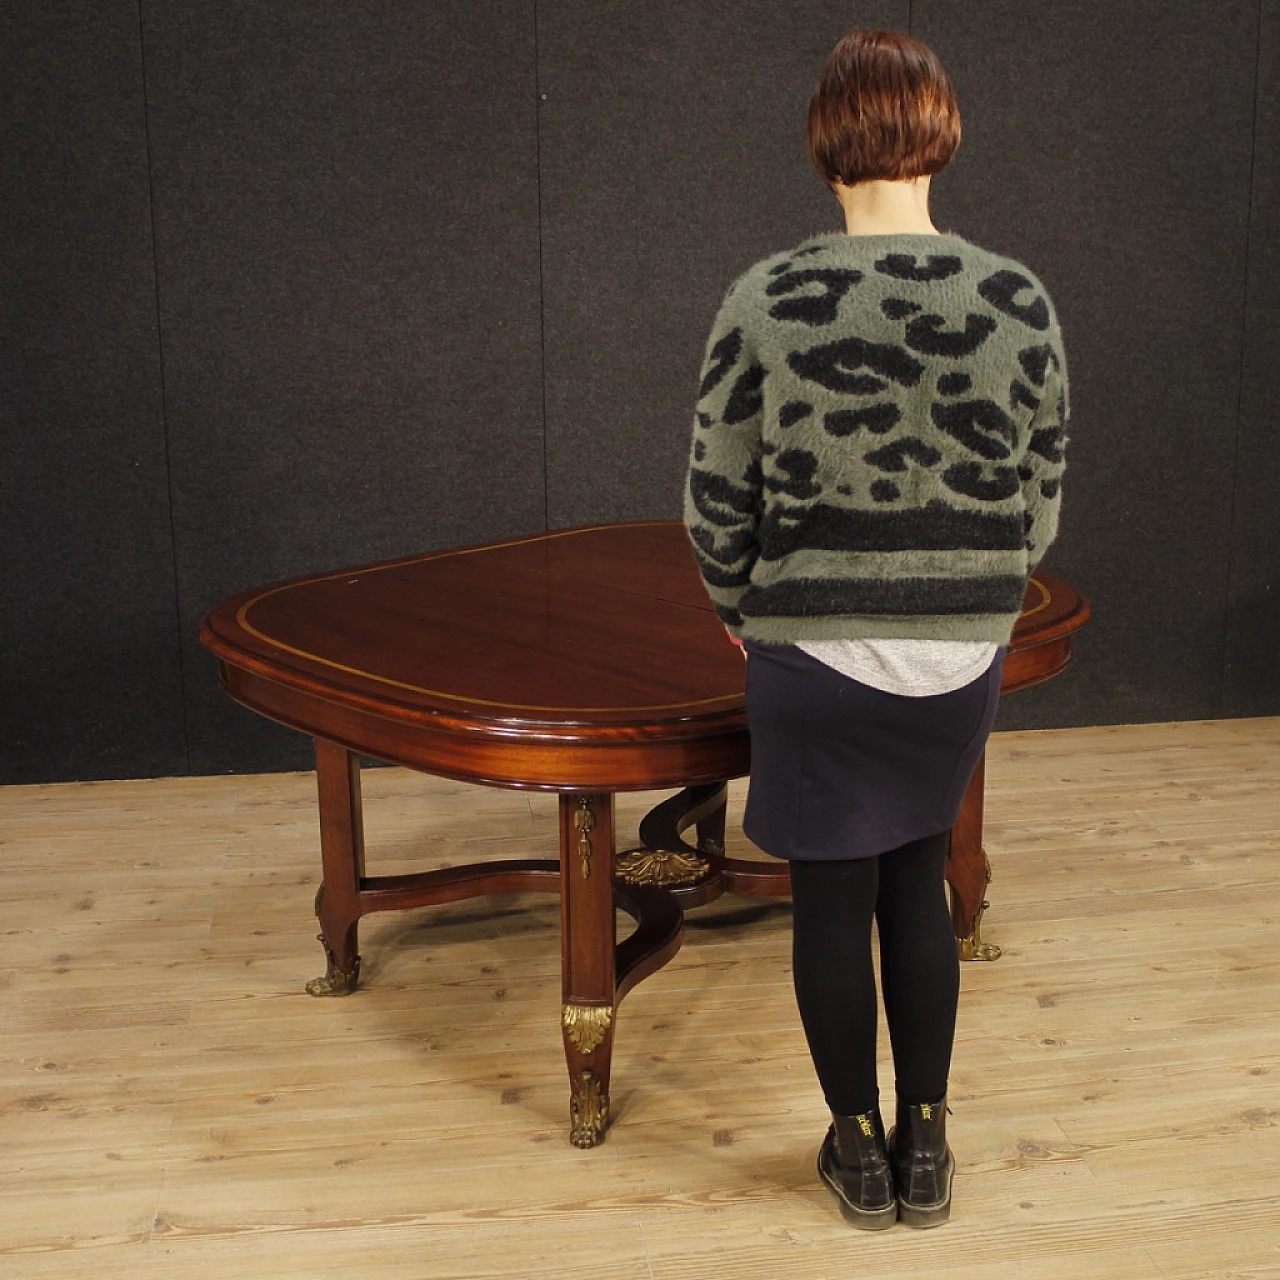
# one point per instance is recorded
(883, 108)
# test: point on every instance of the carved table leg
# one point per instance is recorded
(711, 830)
(588, 941)
(342, 857)
(969, 873)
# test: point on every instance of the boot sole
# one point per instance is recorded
(924, 1218)
(867, 1219)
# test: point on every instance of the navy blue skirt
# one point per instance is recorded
(840, 770)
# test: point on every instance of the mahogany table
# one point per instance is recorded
(584, 662)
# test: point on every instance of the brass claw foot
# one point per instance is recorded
(589, 1110)
(336, 982)
(973, 947)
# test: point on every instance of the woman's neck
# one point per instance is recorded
(881, 208)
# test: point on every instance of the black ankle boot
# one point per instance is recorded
(854, 1164)
(922, 1163)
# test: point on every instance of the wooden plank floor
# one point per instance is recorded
(173, 1105)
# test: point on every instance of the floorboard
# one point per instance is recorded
(174, 1105)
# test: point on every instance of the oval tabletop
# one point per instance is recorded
(595, 635)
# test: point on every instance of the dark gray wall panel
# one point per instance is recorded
(346, 218)
(89, 673)
(355, 238)
(1252, 677)
(672, 159)
(1109, 147)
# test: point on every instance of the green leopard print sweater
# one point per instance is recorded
(878, 445)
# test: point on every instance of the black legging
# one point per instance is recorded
(835, 903)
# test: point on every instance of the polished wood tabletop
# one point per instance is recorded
(581, 661)
(512, 663)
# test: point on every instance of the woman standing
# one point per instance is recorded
(876, 465)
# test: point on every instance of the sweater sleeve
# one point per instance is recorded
(1044, 461)
(723, 490)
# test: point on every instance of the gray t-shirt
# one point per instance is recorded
(912, 668)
